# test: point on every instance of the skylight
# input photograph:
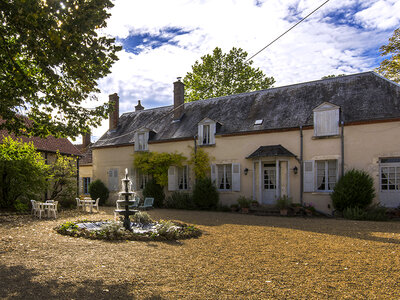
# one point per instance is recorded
(258, 122)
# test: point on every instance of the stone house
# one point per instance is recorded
(294, 140)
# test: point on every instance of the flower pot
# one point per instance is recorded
(245, 210)
(283, 212)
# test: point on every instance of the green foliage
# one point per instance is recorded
(283, 202)
(373, 213)
(179, 200)
(221, 74)
(354, 189)
(21, 205)
(243, 202)
(63, 180)
(23, 172)
(97, 189)
(390, 67)
(157, 164)
(52, 54)
(205, 194)
(142, 218)
(156, 191)
(332, 76)
(200, 160)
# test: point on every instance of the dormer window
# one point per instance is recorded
(206, 132)
(142, 139)
(326, 120)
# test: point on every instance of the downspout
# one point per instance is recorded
(342, 146)
(46, 193)
(77, 177)
(195, 155)
(301, 165)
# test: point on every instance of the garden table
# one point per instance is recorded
(46, 206)
(89, 202)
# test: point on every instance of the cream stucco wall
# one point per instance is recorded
(363, 146)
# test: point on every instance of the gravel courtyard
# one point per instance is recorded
(237, 257)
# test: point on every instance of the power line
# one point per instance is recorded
(288, 30)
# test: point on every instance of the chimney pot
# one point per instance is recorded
(114, 115)
(139, 106)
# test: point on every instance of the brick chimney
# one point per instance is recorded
(139, 106)
(179, 99)
(114, 115)
(86, 139)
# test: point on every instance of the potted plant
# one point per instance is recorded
(244, 204)
(234, 207)
(283, 203)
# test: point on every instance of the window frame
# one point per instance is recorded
(183, 174)
(85, 185)
(225, 182)
(326, 175)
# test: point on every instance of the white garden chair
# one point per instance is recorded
(96, 204)
(33, 207)
(38, 210)
(52, 210)
(78, 203)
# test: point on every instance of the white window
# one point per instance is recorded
(143, 179)
(183, 178)
(206, 135)
(326, 120)
(390, 174)
(320, 175)
(224, 177)
(206, 132)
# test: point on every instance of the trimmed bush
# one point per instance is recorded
(154, 190)
(179, 200)
(205, 194)
(354, 189)
(97, 189)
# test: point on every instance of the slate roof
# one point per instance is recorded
(271, 151)
(362, 97)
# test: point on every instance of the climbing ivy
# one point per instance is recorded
(157, 164)
(201, 163)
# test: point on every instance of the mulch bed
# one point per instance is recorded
(238, 257)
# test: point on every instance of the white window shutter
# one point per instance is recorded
(214, 174)
(308, 176)
(189, 177)
(172, 178)
(136, 138)
(133, 178)
(236, 177)
(200, 134)
(146, 140)
(212, 133)
(115, 186)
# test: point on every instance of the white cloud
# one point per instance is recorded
(317, 47)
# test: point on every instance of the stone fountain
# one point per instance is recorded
(128, 200)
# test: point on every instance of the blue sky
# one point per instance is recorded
(162, 39)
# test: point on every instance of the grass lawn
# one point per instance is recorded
(237, 257)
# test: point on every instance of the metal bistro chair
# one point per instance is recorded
(148, 203)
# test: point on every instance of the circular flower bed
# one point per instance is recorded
(114, 230)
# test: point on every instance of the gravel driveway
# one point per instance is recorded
(237, 257)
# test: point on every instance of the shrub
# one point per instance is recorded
(154, 190)
(372, 213)
(283, 202)
(205, 194)
(97, 189)
(142, 218)
(354, 189)
(179, 200)
(244, 202)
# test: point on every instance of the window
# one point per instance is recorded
(206, 135)
(390, 178)
(224, 177)
(183, 178)
(320, 175)
(326, 175)
(326, 120)
(141, 142)
(143, 179)
(206, 132)
(86, 182)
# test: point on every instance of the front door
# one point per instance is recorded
(389, 195)
(269, 184)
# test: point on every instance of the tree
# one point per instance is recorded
(23, 172)
(51, 56)
(223, 74)
(390, 67)
(332, 76)
(63, 180)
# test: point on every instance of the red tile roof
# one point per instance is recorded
(49, 144)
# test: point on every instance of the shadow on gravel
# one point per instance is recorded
(18, 282)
